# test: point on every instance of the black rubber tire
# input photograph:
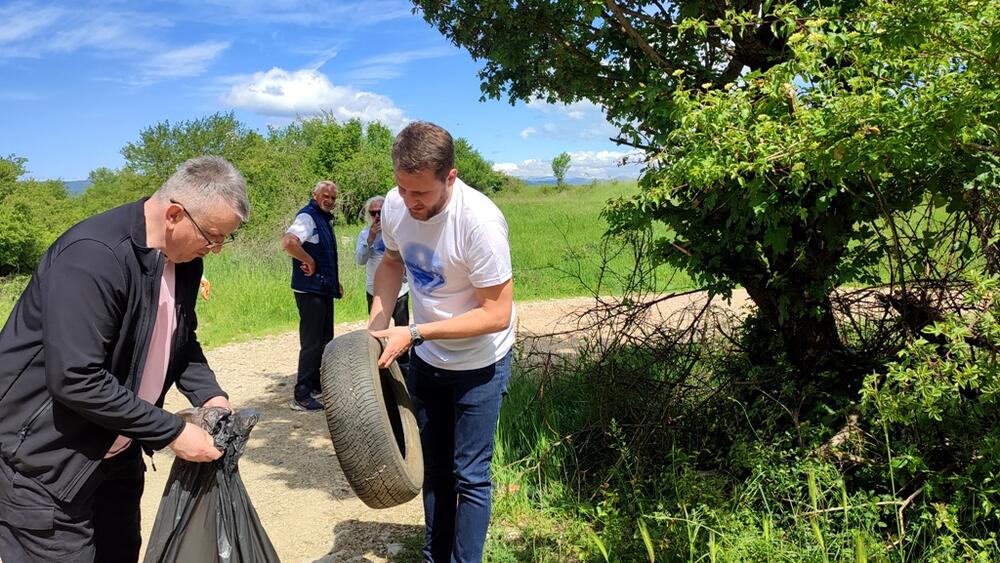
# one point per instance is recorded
(371, 422)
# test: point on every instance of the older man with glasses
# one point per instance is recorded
(311, 243)
(104, 328)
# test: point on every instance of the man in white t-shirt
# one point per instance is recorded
(452, 243)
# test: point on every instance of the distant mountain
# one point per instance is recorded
(77, 186)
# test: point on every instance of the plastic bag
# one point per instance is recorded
(205, 514)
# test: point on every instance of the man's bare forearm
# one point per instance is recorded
(496, 305)
(293, 247)
(388, 280)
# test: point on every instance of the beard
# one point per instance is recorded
(429, 212)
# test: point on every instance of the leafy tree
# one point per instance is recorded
(331, 143)
(278, 180)
(32, 215)
(111, 188)
(560, 165)
(162, 147)
(379, 136)
(366, 174)
(478, 172)
(368, 171)
(11, 168)
(783, 137)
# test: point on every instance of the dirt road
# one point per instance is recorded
(290, 468)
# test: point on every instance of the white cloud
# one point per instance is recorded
(391, 65)
(322, 58)
(580, 120)
(576, 110)
(280, 93)
(18, 96)
(404, 57)
(508, 168)
(527, 132)
(597, 165)
(21, 21)
(315, 12)
(32, 31)
(184, 62)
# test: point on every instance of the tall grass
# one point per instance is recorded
(555, 250)
(572, 488)
(556, 241)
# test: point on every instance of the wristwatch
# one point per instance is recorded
(415, 338)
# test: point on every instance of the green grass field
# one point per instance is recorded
(555, 246)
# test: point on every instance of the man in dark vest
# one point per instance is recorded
(316, 282)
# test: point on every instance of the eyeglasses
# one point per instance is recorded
(209, 243)
(374, 212)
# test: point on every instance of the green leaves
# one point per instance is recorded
(560, 165)
(32, 215)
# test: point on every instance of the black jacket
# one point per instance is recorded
(73, 350)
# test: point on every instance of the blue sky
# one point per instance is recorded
(79, 80)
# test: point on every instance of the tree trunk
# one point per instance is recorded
(807, 329)
(983, 215)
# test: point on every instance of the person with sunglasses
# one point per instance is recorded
(368, 251)
(104, 328)
(312, 245)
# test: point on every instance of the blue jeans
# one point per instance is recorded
(457, 413)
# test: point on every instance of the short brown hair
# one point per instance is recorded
(421, 146)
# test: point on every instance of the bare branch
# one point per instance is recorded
(981, 148)
(639, 40)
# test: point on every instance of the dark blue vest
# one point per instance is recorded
(326, 279)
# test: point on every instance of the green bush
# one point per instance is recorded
(366, 174)
(478, 172)
(162, 147)
(32, 215)
(938, 411)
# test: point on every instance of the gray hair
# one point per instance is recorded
(323, 183)
(365, 216)
(202, 181)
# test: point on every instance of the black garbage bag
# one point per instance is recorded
(205, 514)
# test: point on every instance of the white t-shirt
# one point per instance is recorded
(305, 228)
(447, 257)
(371, 256)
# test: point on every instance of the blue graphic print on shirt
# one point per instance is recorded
(424, 266)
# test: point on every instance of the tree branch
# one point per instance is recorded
(667, 25)
(982, 148)
(621, 141)
(639, 40)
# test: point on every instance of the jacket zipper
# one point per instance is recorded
(138, 357)
(22, 434)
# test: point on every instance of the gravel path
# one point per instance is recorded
(290, 469)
